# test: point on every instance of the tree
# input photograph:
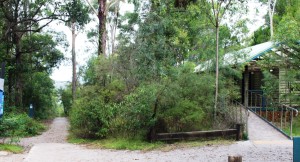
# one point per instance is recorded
(20, 19)
(102, 27)
(215, 11)
(271, 11)
(76, 17)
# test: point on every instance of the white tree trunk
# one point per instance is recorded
(73, 62)
(271, 15)
(217, 71)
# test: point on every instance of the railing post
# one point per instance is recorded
(285, 112)
(265, 106)
(273, 115)
(291, 128)
(255, 102)
(251, 103)
(281, 116)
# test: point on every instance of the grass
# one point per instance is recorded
(11, 148)
(296, 127)
(137, 144)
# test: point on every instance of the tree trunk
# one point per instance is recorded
(217, 70)
(102, 27)
(19, 84)
(73, 62)
(271, 15)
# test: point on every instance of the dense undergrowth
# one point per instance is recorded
(109, 107)
(14, 126)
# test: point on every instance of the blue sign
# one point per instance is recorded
(1, 103)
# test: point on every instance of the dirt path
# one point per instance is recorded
(51, 147)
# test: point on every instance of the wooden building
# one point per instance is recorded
(252, 81)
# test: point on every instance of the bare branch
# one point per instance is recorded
(94, 10)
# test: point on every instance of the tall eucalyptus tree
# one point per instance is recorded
(76, 14)
(215, 11)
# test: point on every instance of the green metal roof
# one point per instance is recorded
(244, 55)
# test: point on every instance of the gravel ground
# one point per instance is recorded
(265, 144)
(57, 133)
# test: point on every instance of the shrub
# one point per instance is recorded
(19, 125)
(90, 115)
(137, 110)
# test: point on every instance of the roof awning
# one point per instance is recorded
(244, 55)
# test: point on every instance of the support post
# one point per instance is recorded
(246, 84)
(235, 159)
(291, 124)
(239, 132)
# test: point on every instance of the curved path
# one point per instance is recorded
(51, 147)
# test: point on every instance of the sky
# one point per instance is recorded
(64, 72)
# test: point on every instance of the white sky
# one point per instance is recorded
(64, 72)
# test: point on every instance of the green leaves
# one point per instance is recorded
(74, 11)
(288, 29)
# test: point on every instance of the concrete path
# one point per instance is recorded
(261, 132)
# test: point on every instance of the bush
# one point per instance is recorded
(138, 109)
(90, 114)
(19, 125)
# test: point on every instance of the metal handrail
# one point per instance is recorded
(297, 112)
(254, 97)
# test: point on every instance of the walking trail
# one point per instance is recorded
(265, 144)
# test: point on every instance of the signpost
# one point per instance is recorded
(1, 103)
(2, 72)
(31, 111)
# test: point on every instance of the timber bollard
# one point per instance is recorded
(239, 133)
(235, 159)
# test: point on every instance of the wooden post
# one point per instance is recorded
(246, 86)
(235, 159)
(239, 132)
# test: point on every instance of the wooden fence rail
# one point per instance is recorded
(199, 134)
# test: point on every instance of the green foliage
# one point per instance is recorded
(19, 125)
(11, 148)
(296, 126)
(150, 84)
(39, 91)
(270, 81)
(138, 109)
(74, 11)
(91, 113)
(66, 99)
(288, 30)
(261, 35)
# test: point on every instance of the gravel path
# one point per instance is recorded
(51, 147)
(57, 133)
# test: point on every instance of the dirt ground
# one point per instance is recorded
(51, 146)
